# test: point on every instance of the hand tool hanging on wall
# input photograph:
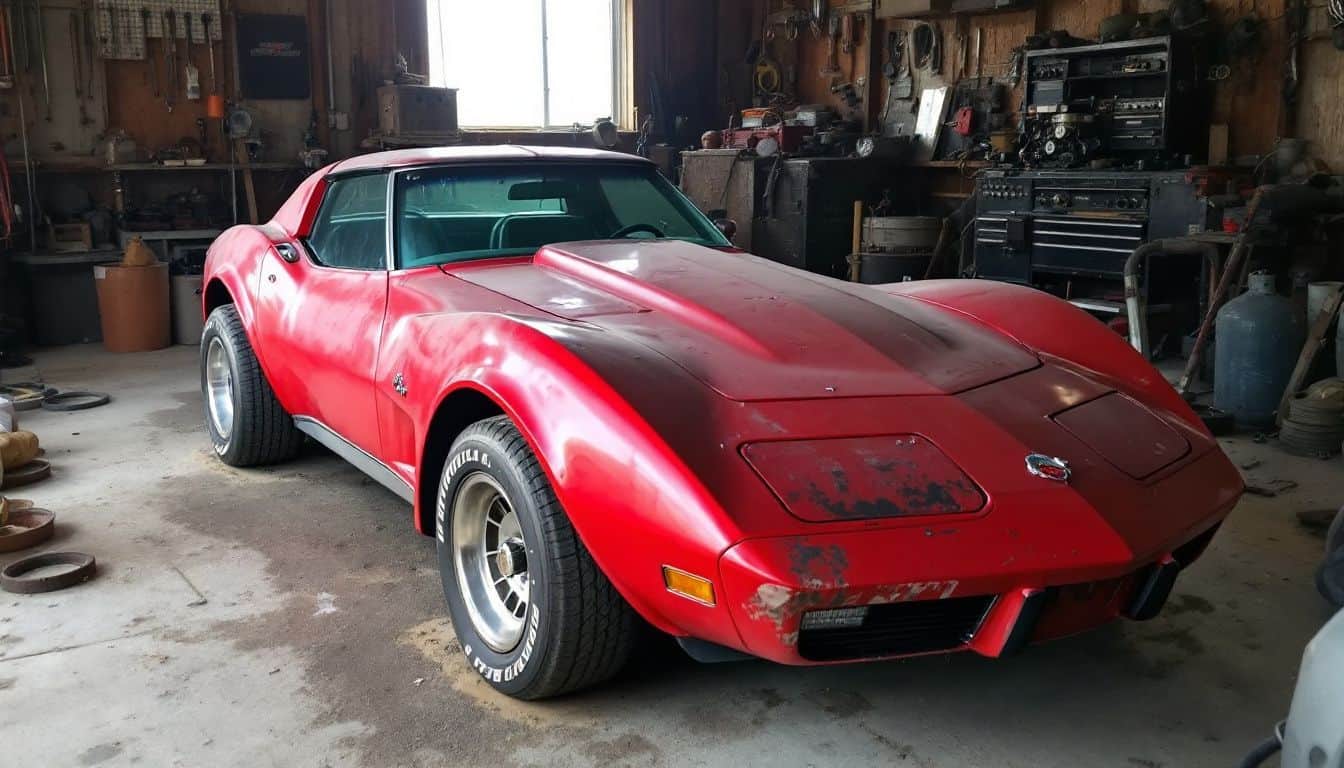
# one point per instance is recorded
(18, 22)
(210, 47)
(170, 57)
(832, 67)
(6, 74)
(193, 74)
(979, 51)
(904, 78)
(42, 50)
(149, 57)
(87, 25)
(116, 33)
(104, 39)
(77, 58)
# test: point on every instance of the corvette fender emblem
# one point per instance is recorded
(1048, 467)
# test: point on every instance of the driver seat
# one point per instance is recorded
(534, 231)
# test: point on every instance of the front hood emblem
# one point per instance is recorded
(1048, 467)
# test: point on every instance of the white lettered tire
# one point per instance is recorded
(534, 615)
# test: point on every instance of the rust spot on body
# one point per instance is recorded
(819, 567)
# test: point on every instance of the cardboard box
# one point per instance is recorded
(75, 237)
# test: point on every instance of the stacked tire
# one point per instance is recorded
(1314, 422)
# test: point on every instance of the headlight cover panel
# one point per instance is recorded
(863, 478)
(1125, 433)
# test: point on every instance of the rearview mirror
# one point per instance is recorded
(541, 190)
(727, 226)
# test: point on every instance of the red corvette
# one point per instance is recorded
(604, 413)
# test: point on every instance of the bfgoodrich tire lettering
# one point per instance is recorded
(258, 430)
(577, 631)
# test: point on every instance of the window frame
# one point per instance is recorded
(622, 71)
(333, 179)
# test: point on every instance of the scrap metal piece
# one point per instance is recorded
(32, 472)
(75, 401)
(14, 579)
(26, 528)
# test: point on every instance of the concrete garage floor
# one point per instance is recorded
(292, 617)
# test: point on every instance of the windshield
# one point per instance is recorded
(451, 214)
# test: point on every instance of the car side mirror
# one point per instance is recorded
(727, 226)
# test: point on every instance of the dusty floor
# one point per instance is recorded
(292, 617)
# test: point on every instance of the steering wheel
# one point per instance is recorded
(633, 228)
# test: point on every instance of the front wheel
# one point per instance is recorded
(247, 425)
(534, 615)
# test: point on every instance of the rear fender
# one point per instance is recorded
(1056, 329)
(632, 501)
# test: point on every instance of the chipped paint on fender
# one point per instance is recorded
(915, 590)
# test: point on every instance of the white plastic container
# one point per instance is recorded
(9, 419)
(1317, 294)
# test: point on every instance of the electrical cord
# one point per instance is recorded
(927, 44)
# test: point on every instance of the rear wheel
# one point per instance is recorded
(246, 424)
(534, 615)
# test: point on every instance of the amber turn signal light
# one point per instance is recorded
(688, 585)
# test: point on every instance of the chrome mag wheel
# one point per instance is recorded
(219, 388)
(490, 560)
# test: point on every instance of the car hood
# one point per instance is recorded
(753, 329)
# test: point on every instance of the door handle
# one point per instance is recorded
(287, 252)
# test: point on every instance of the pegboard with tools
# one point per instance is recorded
(123, 26)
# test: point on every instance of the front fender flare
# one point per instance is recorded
(632, 501)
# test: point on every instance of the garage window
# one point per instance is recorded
(530, 63)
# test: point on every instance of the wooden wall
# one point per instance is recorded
(366, 38)
(1248, 101)
(1320, 102)
(675, 47)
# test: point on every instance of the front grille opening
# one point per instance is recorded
(899, 629)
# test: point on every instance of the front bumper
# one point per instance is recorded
(937, 601)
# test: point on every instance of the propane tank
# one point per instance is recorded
(1258, 339)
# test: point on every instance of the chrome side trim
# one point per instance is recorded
(389, 233)
(356, 456)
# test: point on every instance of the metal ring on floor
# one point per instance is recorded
(12, 578)
(27, 395)
(26, 528)
(75, 401)
(33, 471)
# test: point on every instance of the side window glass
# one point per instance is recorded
(351, 227)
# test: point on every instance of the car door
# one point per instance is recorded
(320, 311)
